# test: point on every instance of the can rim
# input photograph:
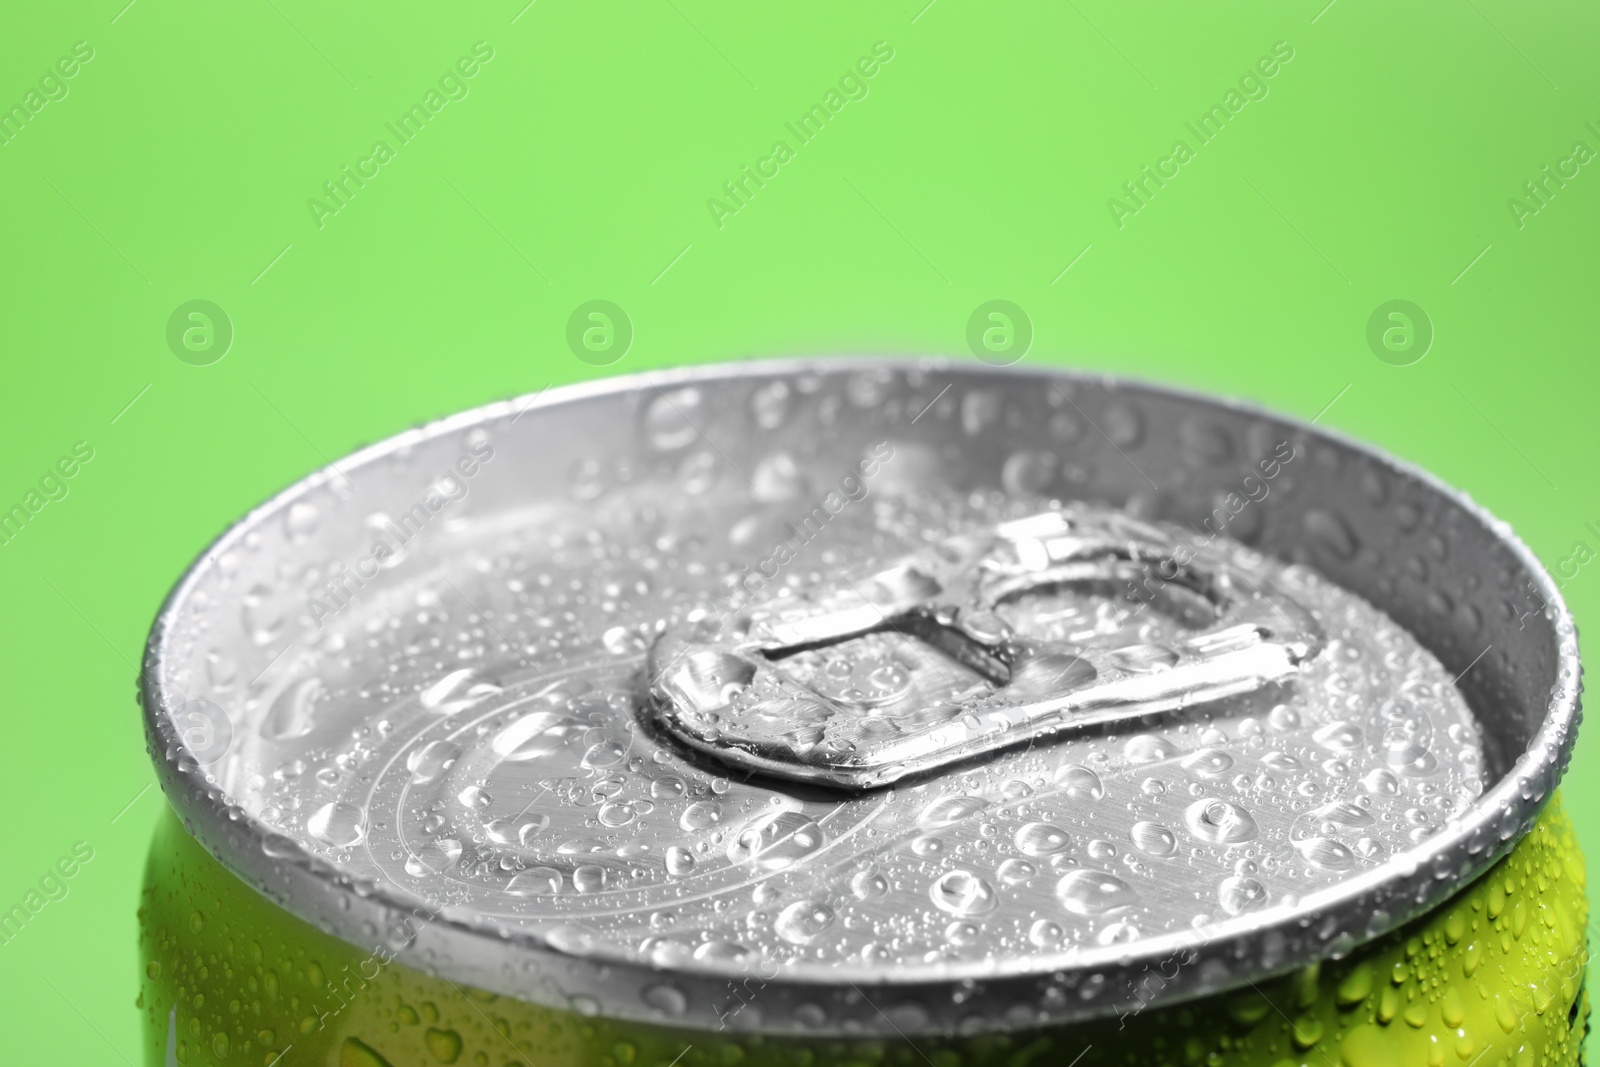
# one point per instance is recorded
(1522, 789)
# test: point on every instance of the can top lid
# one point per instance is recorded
(558, 742)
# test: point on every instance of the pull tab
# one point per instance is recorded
(862, 683)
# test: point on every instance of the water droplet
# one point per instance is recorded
(869, 389)
(434, 857)
(869, 885)
(260, 615)
(1281, 762)
(1204, 442)
(1148, 748)
(622, 641)
(388, 532)
(535, 882)
(1381, 782)
(664, 998)
(1400, 732)
(1028, 471)
(1041, 839)
(777, 477)
(1015, 872)
(573, 941)
(531, 829)
(300, 522)
(1100, 849)
(671, 418)
(802, 921)
(614, 814)
(338, 823)
(589, 878)
(1154, 839)
(586, 479)
(532, 736)
(1208, 762)
(444, 1045)
(1079, 782)
(432, 760)
(584, 1004)
(1219, 822)
(1144, 659)
(980, 409)
(701, 815)
(777, 841)
(1345, 814)
(1045, 674)
(1087, 892)
(680, 861)
(805, 739)
(769, 405)
(1122, 425)
(222, 669)
(455, 691)
(961, 892)
(945, 810)
(1238, 894)
(1283, 717)
(280, 847)
(1065, 427)
(291, 713)
(1337, 736)
(1118, 933)
(1326, 853)
(1046, 934)
(723, 950)
(604, 754)
(669, 788)
(1331, 532)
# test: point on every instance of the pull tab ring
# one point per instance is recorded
(935, 674)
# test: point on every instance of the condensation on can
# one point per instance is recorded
(446, 734)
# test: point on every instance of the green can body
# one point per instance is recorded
(1492, 977)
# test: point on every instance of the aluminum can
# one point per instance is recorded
(864, 711)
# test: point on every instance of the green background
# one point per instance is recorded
(978, 167)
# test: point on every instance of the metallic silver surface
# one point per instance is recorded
(334, 802)
(973, 684)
